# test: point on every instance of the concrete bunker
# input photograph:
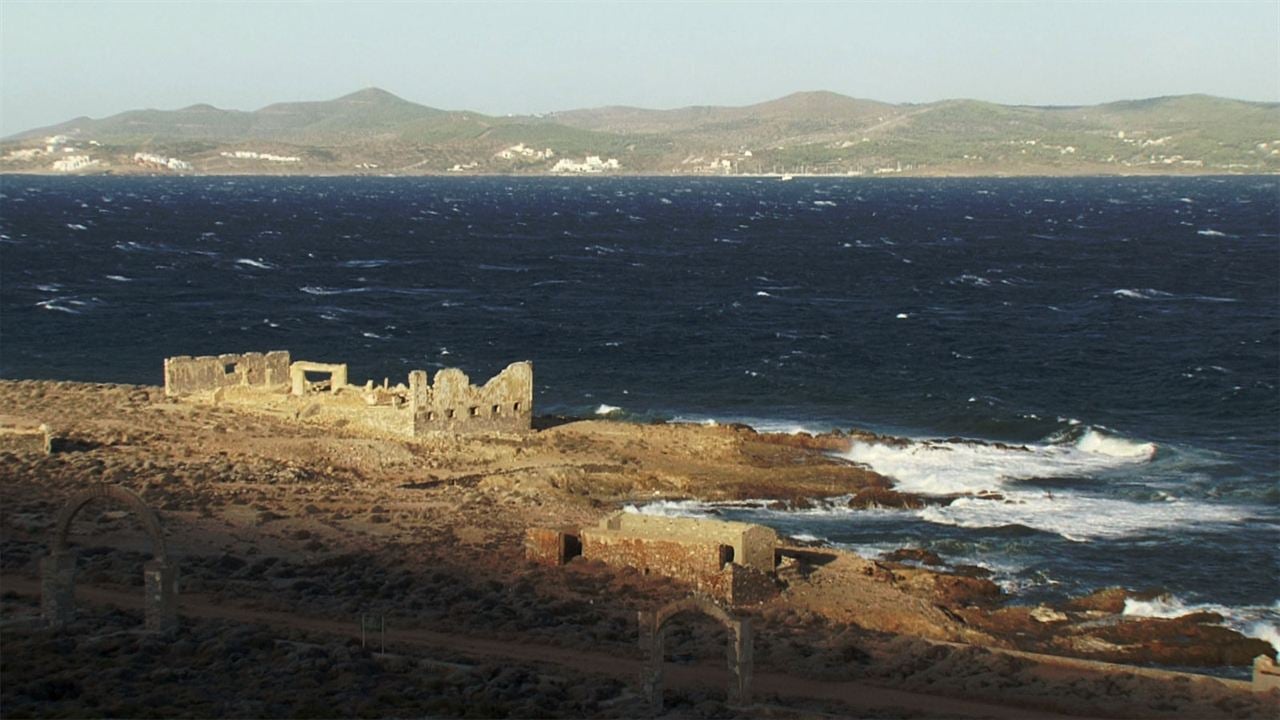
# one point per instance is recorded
(732, 561)
(739, 650)
(58, 568)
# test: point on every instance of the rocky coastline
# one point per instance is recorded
(288, 533)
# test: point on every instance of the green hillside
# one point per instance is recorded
(374, 131)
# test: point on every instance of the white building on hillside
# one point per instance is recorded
(593, 164)
(73, 163)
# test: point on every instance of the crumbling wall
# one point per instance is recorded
(184, 375)
(551, 546)
(688, 561)
(351, 410)
(729, 560)
(451, 404)
(21, 435)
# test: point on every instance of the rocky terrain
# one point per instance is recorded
(285, 534)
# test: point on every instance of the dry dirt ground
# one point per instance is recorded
(286, 533)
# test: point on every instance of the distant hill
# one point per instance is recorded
(374, 131)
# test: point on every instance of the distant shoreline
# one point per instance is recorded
(602, 176)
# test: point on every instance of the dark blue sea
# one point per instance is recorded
(1125, 331)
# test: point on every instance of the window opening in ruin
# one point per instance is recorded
(430, 416)
(726, 554)
(516, 407)
(229, 368)
(449, 413)
(475, 411)
(572, 548)
(323, 380)
(497, 410)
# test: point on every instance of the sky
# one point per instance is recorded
(60, 60)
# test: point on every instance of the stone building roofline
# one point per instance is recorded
(679, 529)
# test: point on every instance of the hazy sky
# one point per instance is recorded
(59, 60)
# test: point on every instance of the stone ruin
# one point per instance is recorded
(58, 568)
(739, 650)
(449, 404)
(732, 561)
(21, 436)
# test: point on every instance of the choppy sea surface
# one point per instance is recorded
(1119, 337)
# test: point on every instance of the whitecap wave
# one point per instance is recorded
(1098, 443)
(1141, 294)
(1079, 518)
(320, 290)
(970, 279)
(258, 263)
(969, 468)
(1157, 295)
(944, 467)
(1211, 233)
(607, 409)
(1256, 621)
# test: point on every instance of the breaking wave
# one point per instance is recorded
(1256, 621)
(948, 467)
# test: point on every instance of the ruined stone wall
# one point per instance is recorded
(184, 375)
(697, 564)
(691, 562)
(451, 404)
(21, 436)
(756, 550)
(753, 545)
(349, 409)
(551, 546)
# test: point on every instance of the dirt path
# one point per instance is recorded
(859, 697)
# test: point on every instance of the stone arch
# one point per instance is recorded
(58, 568)
(653, 629)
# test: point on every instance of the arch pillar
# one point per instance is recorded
(739, 651)
(58, 568)
(58, 588)
(161, 601)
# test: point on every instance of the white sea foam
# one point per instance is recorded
(320, 290)
(944, 468)
(1256, 621)
(76, 226)
(1141, 294)
(56, 304)
(970, 279)
(1079, 518)
(1211, 233)
(604, 409)
(1153, 294)
(258, 263)
(119, 278)
(1099, 443)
